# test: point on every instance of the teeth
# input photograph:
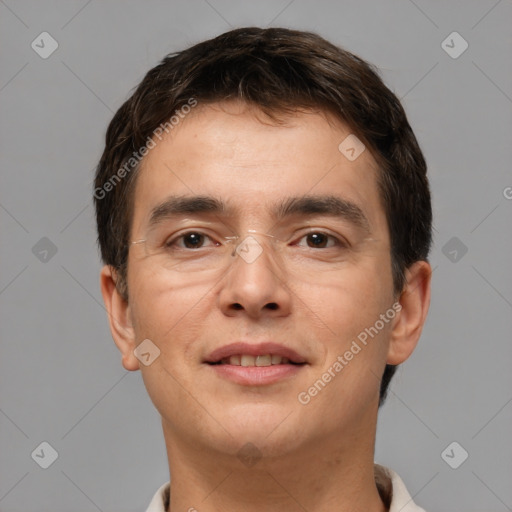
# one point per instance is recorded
(276, 359)
(247, 360)
(235, 360)
(264, 360)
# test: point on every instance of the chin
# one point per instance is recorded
(271, 429)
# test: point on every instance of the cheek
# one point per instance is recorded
(354, 297)
(346, 319)
(163, 312)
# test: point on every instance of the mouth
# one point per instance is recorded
(255, 365)
(247, 360)
(261, 354)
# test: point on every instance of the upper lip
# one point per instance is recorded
(254, 349)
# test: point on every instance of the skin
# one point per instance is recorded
(317, 456)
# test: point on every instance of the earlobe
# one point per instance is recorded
(414, 302)
(119, 318)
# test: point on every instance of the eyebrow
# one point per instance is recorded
(184, 205)
(304, 205)
(332, 206)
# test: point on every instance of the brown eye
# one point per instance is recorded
(317, 240)
(320, 240)
(190, 240)
(193, 240)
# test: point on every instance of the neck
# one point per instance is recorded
(323, 476)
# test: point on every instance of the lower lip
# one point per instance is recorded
(256, 375)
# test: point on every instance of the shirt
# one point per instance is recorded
(391, 489)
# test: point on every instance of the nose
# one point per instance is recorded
(255, 284)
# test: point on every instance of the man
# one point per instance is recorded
(264, 217)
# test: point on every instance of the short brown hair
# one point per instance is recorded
(280, 71)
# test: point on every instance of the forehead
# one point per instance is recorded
(233, 151)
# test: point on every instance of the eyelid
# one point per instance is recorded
(172, 239)
(293, 239)
(340, 240)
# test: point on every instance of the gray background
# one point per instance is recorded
(61, 379)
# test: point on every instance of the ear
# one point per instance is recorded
(414, 302)
(119, 318)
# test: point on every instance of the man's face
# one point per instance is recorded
(313, 286)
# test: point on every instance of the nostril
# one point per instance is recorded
(273, 306)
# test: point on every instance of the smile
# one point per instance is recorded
(247, 360)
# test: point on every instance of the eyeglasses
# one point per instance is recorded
(311, 254)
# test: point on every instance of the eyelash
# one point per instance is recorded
(337, 241)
